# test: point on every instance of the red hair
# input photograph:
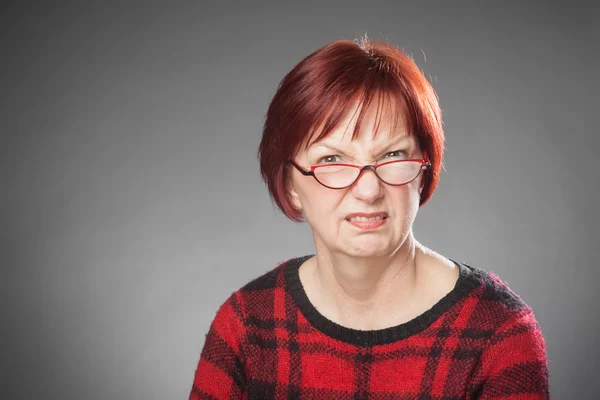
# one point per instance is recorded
(319, 91)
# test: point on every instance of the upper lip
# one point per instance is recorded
(367, 215)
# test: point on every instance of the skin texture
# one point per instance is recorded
(367, 279)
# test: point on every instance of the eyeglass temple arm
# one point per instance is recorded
(302, 171)
(427, 164)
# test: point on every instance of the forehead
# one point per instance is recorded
(382, 122)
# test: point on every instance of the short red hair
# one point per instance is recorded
(319, 91)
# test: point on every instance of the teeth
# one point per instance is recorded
(365, 219)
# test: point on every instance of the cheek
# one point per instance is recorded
(412, 201)
(319, 201)
(406, 200)
(325, 203)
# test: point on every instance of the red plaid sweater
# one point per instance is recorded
(267, 341)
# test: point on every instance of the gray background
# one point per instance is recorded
(132, 203)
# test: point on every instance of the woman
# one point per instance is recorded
(353, 144)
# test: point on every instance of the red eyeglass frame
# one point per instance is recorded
(425, 165)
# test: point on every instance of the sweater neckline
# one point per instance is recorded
(463, 286)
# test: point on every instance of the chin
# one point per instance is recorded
(368, 249)
(367, 253)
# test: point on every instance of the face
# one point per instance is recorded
(326, 209)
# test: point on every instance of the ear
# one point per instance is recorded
(294, 197)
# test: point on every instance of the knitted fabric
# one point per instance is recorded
(267, 341)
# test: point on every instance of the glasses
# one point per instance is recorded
(340, 176)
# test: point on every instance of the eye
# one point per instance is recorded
(396, 153)
(328, 159)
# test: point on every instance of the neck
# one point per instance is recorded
(367, 283)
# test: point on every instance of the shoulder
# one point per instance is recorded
(514, 355)
(496, 291)
(272, 278)
(251, 302)
(258, 296)
(488, 294)
(494, 304)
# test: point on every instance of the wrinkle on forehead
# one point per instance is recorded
(363, 114)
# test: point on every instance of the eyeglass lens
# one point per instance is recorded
(396, 173)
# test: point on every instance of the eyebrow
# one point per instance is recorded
(397, 142)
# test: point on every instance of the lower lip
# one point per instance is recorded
(368, 225)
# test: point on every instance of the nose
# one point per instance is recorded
(367, 187)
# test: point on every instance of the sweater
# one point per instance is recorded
(267, 341)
